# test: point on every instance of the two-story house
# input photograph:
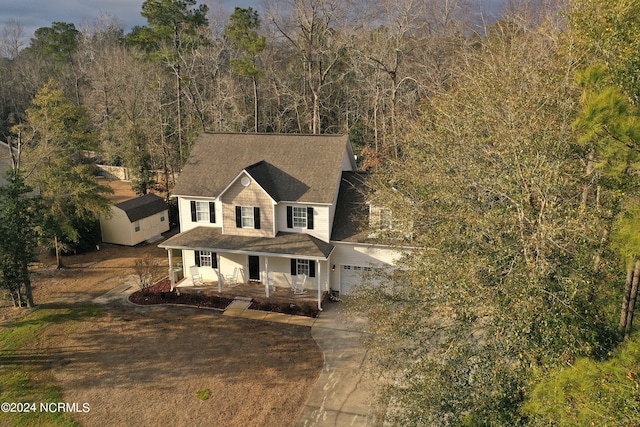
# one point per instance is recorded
(275, 207)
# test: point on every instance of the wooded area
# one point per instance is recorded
(507, 153)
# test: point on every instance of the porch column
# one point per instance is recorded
(219, 273)
(266, 282)
(173, 283)
(319, 282)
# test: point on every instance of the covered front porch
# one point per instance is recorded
(250, 291)
(289, 266)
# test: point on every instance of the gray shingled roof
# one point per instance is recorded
(351, 219)
(290, 167)
(212, 239)
(142, 207)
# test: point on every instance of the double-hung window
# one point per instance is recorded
(202, 211)
(385, 218)
(302, 267)
(247, 217)
(205, 259)
(380, 218)
(299, 217)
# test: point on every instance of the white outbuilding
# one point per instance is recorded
(134, 221)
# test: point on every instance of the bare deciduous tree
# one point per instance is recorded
(146, 270)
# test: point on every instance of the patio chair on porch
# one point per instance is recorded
(270, 281)
(196, 277)
(232, 279)
(298, 285)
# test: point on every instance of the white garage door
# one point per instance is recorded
(351, 275)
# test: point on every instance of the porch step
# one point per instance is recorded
(237, 307)
(243, 299)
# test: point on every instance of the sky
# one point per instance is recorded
(34, 14)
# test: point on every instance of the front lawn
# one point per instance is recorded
(151, 365)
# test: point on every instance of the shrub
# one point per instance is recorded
(307, 309)
(264, 306)
(203, 394)
(287, 308)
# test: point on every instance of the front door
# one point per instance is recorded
(254, 268)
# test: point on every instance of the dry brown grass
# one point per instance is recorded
(144, 365)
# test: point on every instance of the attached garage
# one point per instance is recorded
(350, 276)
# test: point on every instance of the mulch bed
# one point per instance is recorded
(304, 309)
(160, 293)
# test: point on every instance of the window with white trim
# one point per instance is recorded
(300, 217)
(380, 218)
(137, 226)
(206, 259)
(202, 211)
(302, 267)
(247, 219)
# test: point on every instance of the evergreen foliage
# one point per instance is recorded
(19, 221)
(59, 134)
(590, 392)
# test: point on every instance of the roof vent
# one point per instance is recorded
(245, 181)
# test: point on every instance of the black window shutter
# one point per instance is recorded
(312, 269)
(238, 217)
(214, 260)
(289, 217)
(198, 258)
(194, 218)
(256, 218)
(310, 219)
(294, 267)
(212, 212)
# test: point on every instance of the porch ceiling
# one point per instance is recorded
(292, 245)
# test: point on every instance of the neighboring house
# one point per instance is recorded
(276, 207)
(134, 221)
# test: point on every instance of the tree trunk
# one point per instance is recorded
(179, 119)
(632, 300)
(27, 290)
(178, 94)
(625, 303)
(15, 298)
(56, 244)
(18, 300)
(255, 104)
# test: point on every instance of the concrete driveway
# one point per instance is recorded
(344, 394)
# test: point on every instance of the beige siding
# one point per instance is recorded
(116, 229)
(120, 231)
(153, 225)
(250, 196)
